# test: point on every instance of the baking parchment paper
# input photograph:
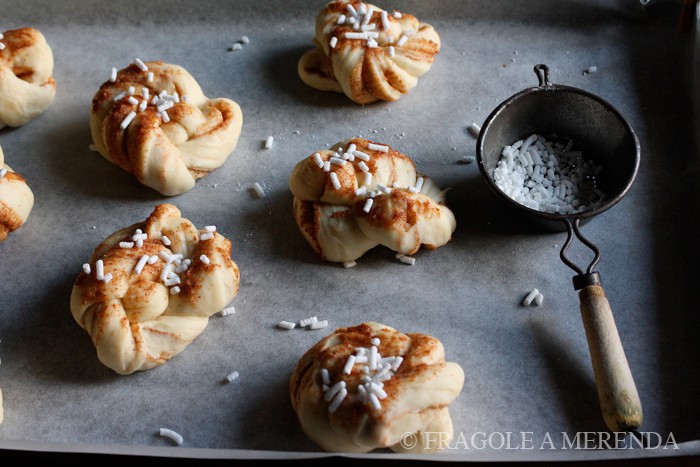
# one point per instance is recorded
(527, 369)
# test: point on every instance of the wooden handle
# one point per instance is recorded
(617, 393)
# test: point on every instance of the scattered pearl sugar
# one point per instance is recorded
(534, 297)
(530, 297)
(318, 324)
(538, 299)
(258, 189)
(307, 321)
(548, 176)
(286, 325)
(168, 433)
(405, 259)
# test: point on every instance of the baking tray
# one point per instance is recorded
(527, 369)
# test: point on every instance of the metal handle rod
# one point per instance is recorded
(573, 229)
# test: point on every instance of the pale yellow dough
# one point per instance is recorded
(418, 394)
(198, 137)
(134, 320)
(334, 222)
(27, 88)
(385, 68)
(16, 200)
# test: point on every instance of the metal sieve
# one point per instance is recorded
(605, 137)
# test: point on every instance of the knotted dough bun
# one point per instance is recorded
(26, 85)
(386, 64)
(411, 395)
(16, 199)
(407, 209)
(178, 136)
(138, 321)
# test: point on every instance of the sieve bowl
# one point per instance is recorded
(604, 136)
(563, 111)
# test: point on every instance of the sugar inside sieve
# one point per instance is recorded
(559, 112)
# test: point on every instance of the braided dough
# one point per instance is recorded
(26, 86)
(334, 221)
(165, 148)
(417, 393)
(16, 200)
(368, 69)
(134, 321)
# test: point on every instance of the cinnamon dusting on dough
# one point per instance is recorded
(134, 320)
(415, 398)
(379, 199)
